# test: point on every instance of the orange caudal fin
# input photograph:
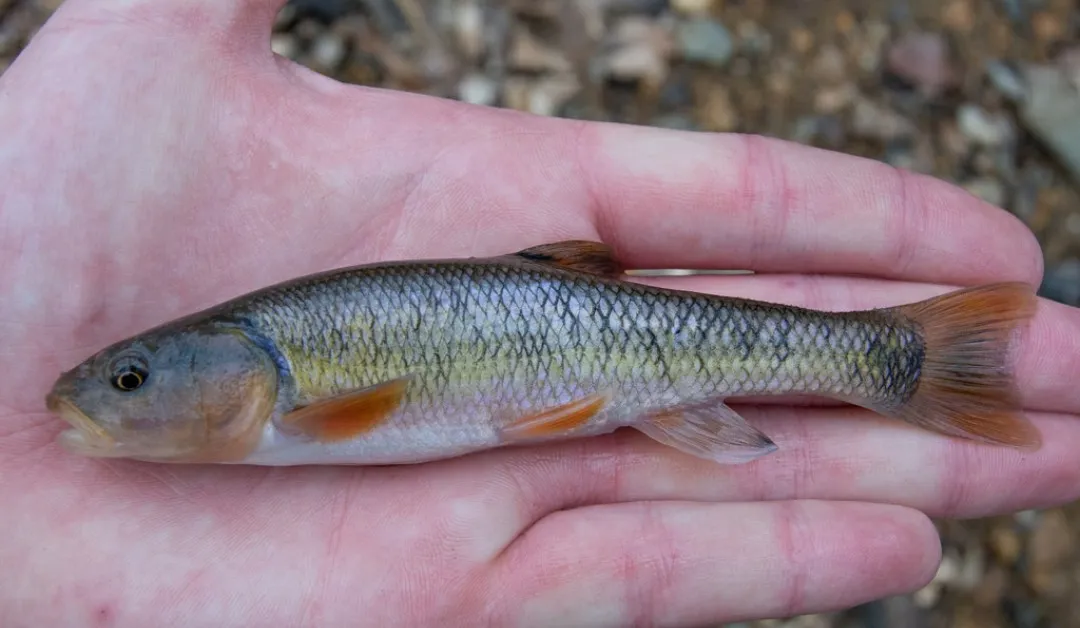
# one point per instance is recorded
(965, 386)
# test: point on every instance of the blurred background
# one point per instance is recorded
(982, 93)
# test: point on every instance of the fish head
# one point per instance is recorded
(195, 394)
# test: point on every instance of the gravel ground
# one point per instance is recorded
(983, 93)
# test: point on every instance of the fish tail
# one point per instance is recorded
(965, 387)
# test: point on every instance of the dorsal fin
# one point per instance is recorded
(584, 256)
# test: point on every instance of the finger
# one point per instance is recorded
(1047, 354)
(667, 199)
(682, 564)
(824, 453)
(852, 454)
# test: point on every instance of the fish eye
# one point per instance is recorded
(128, 373)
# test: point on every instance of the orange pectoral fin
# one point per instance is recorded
(554, 421)
(350, 414)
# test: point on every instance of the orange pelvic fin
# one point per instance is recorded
(554, 421)
(350, 414)
(965, 388)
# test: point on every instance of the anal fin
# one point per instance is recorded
(709, 430)
(350, 414)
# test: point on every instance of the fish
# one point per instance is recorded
(412, 361)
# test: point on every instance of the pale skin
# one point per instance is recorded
(157, 158)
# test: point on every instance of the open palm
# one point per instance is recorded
(158, 158)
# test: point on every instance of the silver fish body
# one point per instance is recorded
(407, 362)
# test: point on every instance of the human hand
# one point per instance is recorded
(158, 158)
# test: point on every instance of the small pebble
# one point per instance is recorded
(705, 41)
(1006, 80)
(830, 67)
(674, 121)
(753, 38)
(959, 15)
(692, 7)
(469, 28)
(327, 51)
(478, 89)
(802, 40)
(923, 59)
(1062, 282)
(983, 128)
(1052, 112)
(285, 45)
(1006, 544)
(832, 100)
(1047, 27)
(549, 94)
(875, 121)
(717, 112)
(988, 189)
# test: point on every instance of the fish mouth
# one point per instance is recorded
(85, 436)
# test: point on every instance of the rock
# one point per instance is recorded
(1006, 80)
(1051, 543)
(831, 132)
(327, 51)
(1005, 543)
(922, 58)
(325, 11)
(830, 66)
(1069, 62)
(874, 121)
(692, 7)
(845, 22)
(469, 28)
(988, 189)
(927, 596)
(529, 54)
(959, 16)
(285, 44)
(1062, 283)
(716, 112)
(898, 611)
(652, 8)
(549, 94)
(637, 49)
(674, 121)
(1015, 9)
(705, 41)
(1052, 112)
(1047, 27)
(802, 40)
(516, 93)
(834, 99)
(752, 38)
(992, 587)
(982, 127)
(478, 89)
(869, 45)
